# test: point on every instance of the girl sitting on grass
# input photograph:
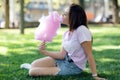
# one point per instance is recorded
(76, 49)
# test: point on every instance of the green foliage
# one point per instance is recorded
(16, 49)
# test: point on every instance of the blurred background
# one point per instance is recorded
(18, 17)
(12, 11)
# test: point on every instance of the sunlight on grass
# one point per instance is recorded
(3, 50)
(107, 60)
(4, 65)
(61, 31)
(11, 31)
(55, 47)
(104, 47)
(105, 30)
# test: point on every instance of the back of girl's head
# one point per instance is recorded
(77, 17)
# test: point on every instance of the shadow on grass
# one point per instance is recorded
(108, 63)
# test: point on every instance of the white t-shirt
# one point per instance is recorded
(72, 44)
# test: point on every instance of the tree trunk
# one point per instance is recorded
(7, 14)
(22, 22)
(116, 11)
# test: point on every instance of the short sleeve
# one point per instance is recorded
(83, 34)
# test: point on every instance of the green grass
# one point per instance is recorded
(16, 49)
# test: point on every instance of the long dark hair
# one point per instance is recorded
(77, 17)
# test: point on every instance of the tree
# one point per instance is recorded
(7, 14)
(22, 22)
(116, 11)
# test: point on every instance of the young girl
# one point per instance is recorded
(76, 49)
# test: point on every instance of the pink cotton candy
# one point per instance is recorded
(48, 27)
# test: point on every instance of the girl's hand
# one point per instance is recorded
(98, 78)
(42, 47)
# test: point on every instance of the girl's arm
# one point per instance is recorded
(56, 55)
(87, 46)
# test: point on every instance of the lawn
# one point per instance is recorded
(16, 49)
